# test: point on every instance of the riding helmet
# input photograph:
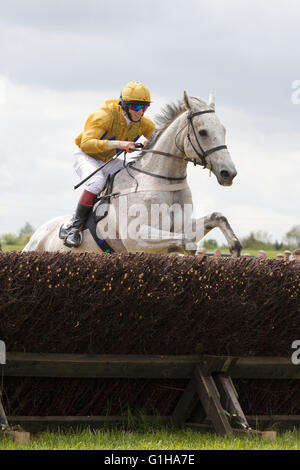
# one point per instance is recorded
(135, 92)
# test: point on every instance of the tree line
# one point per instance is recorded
(255, 240)
(21, 238)
(263, 241)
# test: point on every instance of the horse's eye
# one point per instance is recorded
(203, 133)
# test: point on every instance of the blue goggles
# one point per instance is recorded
(137, 107)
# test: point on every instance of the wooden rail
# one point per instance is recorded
(210, 379)
(151, 366)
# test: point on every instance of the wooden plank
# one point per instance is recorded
(93, 366)
(210, 400)
(211, 364)
(274, 421)
(20, 437)
(17, 419)
(186, 403)
(269, 435)
(2, 352)
(260, 367)
(229, 400)
(39, 423)
(264, 368)
(140, 366)
(43, 422)
(3, 418)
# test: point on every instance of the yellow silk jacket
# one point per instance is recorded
(107, 123)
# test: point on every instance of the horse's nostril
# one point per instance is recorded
(225, 174)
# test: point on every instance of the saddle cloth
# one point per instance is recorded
(100, 210)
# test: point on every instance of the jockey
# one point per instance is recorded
(115, 126)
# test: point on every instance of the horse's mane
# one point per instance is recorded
(168, 115)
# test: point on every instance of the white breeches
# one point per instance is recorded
(84, 165)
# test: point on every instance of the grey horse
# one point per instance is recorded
(151, 203)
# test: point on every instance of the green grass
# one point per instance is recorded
(12, 247)
(270, 253)
(154, 438)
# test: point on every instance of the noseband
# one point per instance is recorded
(204, 153)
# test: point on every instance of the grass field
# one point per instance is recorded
(12, 247)
(150, 438)
(270, 253)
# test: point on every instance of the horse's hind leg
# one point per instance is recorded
(153, 240)
(216, 219)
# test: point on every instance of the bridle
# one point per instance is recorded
(202, 154)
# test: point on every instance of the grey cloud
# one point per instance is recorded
(247, 56)
(247, 52)
(81, 16)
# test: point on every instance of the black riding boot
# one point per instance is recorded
(74, 237)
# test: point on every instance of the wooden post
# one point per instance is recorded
(186, 403)
(3, 419)
(210, 399)
(229, 399)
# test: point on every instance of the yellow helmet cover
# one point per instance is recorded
(135, 91)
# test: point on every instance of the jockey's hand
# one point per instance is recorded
(127, 146)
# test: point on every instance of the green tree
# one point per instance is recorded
(293, 237)
(210, 244)
(257, 240)
(25, 233)
(26, 230)
(9, 239)
(20, 239)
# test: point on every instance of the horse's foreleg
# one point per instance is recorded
(216, 219)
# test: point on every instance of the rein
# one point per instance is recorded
(202, 155)
(167, 154)
(171, 178)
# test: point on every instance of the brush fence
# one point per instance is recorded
(73, 324)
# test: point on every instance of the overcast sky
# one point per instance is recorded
(61, 59)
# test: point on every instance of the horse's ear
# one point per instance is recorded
(211, 101)
(187, 100)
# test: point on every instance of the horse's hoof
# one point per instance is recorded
(236, 249)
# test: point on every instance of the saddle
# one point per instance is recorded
(99, 211)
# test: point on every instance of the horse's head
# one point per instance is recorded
(204, 141)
